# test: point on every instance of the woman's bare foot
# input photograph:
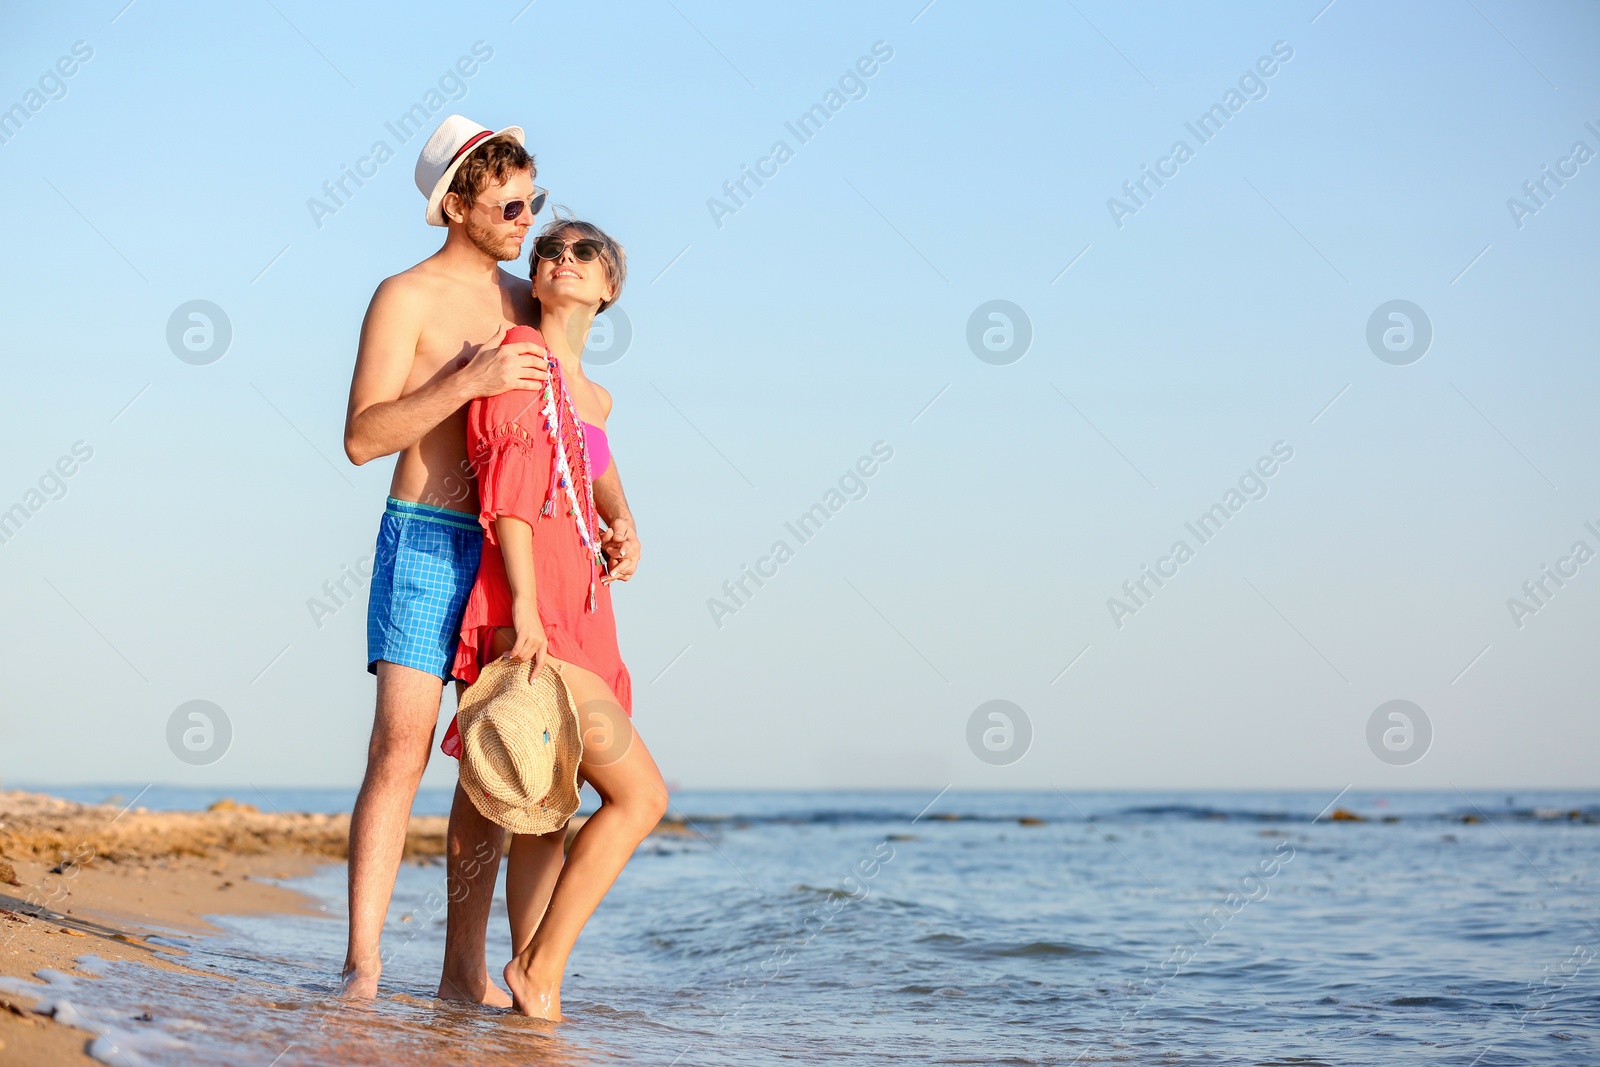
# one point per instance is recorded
(534, 995)
(484, 992)
(354, 985)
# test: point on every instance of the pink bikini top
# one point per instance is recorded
(599, 449)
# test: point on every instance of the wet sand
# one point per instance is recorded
(98, 880)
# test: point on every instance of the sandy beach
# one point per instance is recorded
(81, 879)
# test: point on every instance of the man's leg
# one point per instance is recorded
(402, 736)
(533, 864)
(473, 866)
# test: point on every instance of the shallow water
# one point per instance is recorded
(848, 928)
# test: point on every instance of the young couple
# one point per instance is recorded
(474, 563)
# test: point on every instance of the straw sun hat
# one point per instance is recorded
(520, 747)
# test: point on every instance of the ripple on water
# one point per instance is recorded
(962, 947)
(976, 949)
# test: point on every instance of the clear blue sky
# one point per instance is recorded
(771, 351)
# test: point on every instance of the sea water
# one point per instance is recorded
(956, 928)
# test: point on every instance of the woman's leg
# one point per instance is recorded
(633, 798)
(534, 860)
(531, 873)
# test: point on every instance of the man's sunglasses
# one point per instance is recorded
(511, 209)
(584, 250)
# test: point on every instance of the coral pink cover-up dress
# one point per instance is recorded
(532, 457)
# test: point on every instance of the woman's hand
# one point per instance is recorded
(531, 644)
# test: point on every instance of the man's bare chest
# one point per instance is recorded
(449, 340)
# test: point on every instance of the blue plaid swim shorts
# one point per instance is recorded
(426, 563)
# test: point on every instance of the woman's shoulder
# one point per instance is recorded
(490, 416)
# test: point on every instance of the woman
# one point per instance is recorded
(542, 593)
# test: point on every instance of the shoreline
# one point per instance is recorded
(110, 910)
(99, 880)
(84, 879)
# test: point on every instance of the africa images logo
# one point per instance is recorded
(1252, 85)
(450, 86)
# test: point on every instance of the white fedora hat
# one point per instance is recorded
(443, 155)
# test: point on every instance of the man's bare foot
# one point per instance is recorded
(483, 991)
(355, 985)
(494, 996)
(534, 995)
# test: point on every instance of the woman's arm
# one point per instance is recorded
(516, 547)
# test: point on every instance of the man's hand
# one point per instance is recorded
(499, 368)
(621, 546)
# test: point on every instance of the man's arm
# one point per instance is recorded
(620, 541)
(380, 421)
(609, 500)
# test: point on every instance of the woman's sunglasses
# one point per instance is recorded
(511, 209)
(584, 250)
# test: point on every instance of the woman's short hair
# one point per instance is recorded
(612, 255)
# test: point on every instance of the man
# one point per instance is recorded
(422, 358)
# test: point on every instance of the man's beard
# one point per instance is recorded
(490, 243)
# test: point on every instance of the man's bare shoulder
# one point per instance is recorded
(419, 283)
(410, 298)
(519, 291)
